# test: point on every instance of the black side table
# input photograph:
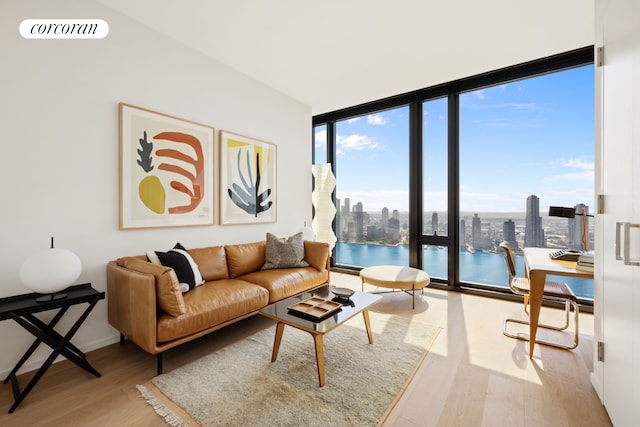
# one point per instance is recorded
(21, 308)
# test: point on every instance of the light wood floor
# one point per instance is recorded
(472, 376)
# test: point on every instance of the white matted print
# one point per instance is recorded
(166, 170)
(247, 180)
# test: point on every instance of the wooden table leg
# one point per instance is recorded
(317, 338)
(536, 289)
(276, 342)
(367, 324)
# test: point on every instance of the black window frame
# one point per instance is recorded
(452, 91)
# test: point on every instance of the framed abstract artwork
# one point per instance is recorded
(248, 191)
(166, 170)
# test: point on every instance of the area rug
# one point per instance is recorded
(238, 385)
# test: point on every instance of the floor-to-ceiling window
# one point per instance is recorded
(435, 185)
(524, 145)
(461, 166)
(372, 200)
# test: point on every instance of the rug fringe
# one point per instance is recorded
(161, 409)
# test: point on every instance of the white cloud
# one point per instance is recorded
(321, 138)
(354, 142)
(376, 119)
(579, 164)
(355, 119)
(574, 169)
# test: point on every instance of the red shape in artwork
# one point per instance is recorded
(197, 181)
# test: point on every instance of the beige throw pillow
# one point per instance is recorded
(284, 253)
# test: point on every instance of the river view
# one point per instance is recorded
(478, 267)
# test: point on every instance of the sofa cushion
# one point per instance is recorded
(168, 294)
(212, 304)
(184, 266)
(284, 252)
(212, 262)
(245, 258)
(316, 254)
(285, 282)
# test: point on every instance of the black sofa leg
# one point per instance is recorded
(121, 339)
(159, 363)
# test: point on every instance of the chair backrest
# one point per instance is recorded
(509, 260)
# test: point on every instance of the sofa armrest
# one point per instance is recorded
(317, 255)
(131, 305)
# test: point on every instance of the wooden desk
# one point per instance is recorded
(537, 265)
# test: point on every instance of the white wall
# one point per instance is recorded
(59, 138)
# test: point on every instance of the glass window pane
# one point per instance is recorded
(435, 163)
(320, 144)
(372, 189)
(524, 146)
(435, 261)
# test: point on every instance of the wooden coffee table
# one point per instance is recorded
(358, 303)
(395, 277)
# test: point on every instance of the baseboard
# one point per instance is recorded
(597, 385)
(32, 365)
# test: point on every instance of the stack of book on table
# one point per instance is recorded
(585, 262)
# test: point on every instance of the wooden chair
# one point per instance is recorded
(553, 291)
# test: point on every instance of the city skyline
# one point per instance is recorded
(354, 223)
(533, 136)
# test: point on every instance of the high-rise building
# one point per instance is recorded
(533, 232)
(358, 218)
(394, 229)
(509, 233)
(346, 209)
(384, 218)
(434, 223)
(476, 231)
(463, 235)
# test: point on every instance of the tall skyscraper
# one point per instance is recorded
(358, 218)
(509, 233)
(384, 218)
(434, 223)
(463, 235)
(533, 232)
(476, 231)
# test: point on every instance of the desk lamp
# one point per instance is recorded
(571, 213)
(49, 271)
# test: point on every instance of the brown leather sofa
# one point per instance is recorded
(145, 303)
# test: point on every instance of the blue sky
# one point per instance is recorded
(533, 136)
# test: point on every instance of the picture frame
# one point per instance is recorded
(248, 180)
(166, 170)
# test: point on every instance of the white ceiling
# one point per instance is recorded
(331, 54)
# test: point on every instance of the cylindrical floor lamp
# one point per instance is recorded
(325, 210)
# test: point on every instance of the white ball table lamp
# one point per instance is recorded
(50, 271)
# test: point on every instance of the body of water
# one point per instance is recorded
(478, 267)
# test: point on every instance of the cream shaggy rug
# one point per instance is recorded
(239, 386)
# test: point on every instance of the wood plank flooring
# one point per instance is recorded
(472, 376)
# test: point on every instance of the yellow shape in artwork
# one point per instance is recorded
(152, 193)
